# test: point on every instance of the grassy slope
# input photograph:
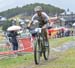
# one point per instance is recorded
(60, 41)
(15, 62)
(57, 60)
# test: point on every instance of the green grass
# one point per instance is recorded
(57, 60)
(0, 27)
(65, 60)
(59, 41)
(15, 62)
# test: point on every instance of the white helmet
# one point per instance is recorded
(38, 8)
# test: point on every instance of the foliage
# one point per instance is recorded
(6, 24)
(28, 10)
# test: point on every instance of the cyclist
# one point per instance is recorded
(42, 17)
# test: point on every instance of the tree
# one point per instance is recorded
(28, 10)
(6, 25)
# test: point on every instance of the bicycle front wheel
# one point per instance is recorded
(37, 52)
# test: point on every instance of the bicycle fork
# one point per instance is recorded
(41, 46)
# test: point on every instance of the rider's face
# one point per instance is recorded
(39, 13)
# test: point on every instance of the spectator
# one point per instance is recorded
(13, 39)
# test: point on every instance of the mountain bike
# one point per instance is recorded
(41, 46)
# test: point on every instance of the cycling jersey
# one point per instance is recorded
(43, 19)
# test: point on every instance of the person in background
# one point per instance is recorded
(13, 39)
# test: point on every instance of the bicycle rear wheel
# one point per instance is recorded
(37, 52)
(46, 50)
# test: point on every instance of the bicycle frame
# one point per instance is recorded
(40, 37)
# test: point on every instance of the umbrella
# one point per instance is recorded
(73, 24)
(14, 28)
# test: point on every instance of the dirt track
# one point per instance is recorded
(53, 57)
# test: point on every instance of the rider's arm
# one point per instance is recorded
(32, 20)
(29, 24)
(51, 22)
(48, 19)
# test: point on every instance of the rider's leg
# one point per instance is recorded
(46, 37)
(45, 33)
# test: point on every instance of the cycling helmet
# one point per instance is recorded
(38, 8)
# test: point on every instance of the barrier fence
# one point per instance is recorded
(25, 45)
